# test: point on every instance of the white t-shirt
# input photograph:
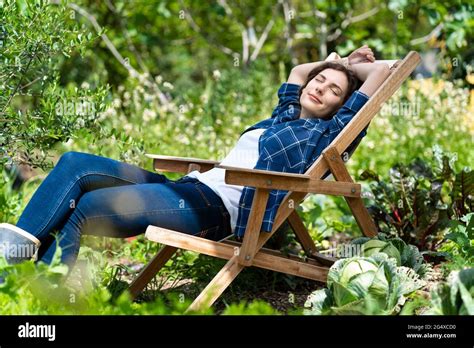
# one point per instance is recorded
(244, 155)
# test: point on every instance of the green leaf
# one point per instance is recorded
(468, 303)
(319, 302)
(342, 295)
(361, 283)
(459, 238)
(380, 284)
(469, 220)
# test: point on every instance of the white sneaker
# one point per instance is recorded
(17, 245)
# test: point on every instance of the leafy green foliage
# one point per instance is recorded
(326, 216)
(418, 202)
(254, 308)
(416, 304)
(459, 245)
(35, 111)
(10, 201)
(30, 288)
(456, 296)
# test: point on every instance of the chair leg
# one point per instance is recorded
(307, 242)
(301, 233)
(151, 270)
(217, 286)
(362, 216)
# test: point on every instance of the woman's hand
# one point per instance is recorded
(361, 55)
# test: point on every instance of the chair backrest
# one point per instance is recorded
(347, 139)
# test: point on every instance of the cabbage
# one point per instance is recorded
(404, 254)
(374, 246)
(364, 285)
(356, 267)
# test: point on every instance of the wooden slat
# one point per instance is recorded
(217, 286)
(307, 242)
(182, 159)
(193, 167)
(314, 258)
(295, 182)
(189, 242)
(310, 259)
(288, 266)
(180, 164)
(301, 233)
(226, 251)
(254, 224)
(178, 167)
(339, 170)
(267, 174)
(324, 260)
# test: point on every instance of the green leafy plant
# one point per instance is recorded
(455, 297)
(40, 288)
(364, 285)
(36, 111)
(405, 254)
(257, 307)
(418, 203)
(374, 246)
(459, 242)
(10, 200)
(416, 304)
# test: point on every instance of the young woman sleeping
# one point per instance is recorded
(89, 194)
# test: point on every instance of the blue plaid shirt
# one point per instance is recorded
(291, 145)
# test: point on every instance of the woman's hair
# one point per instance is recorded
(353, 81)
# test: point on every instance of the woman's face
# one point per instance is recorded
(324, 94)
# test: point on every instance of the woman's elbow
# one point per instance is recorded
(375, 79)
(382, 69)
(296, 77)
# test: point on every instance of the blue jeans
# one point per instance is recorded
(89, 194)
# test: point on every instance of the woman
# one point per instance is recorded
(88, 194)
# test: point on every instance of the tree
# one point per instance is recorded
(35, 111)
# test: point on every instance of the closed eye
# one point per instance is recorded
(332, 85)
(322, 79)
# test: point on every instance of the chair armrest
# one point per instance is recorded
(272, 180)
(259, 172)
(185, 165)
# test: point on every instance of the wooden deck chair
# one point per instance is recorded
(251, 251)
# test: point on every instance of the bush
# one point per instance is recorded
(35, 111)
(418, 203)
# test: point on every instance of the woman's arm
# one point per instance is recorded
(372, 75)
(300, 72)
